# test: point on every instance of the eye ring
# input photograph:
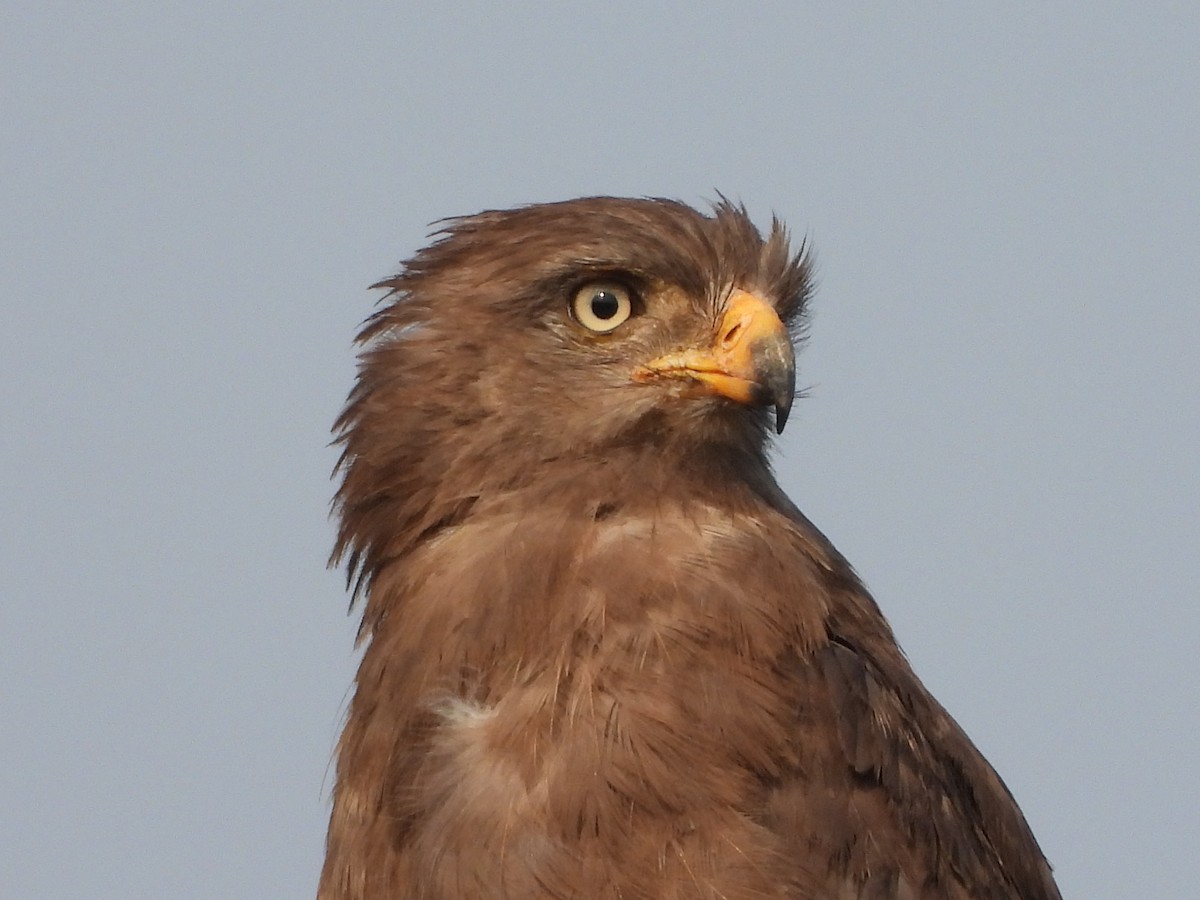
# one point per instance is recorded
(602, 306)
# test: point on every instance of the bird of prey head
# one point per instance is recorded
(605, 655)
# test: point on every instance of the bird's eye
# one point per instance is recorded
(602, 306)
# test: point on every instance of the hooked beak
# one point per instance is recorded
(751, 360)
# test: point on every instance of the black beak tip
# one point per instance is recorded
(776, 371)
(781, 382)
(782, 411)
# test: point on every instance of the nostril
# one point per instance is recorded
(730, 336)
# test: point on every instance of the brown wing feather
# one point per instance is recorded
(941, 819)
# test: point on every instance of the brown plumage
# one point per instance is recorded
(605, 656)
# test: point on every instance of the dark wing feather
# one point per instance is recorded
(925, 814)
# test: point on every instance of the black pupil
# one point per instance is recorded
(605, 305)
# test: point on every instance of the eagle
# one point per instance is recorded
(605, 656)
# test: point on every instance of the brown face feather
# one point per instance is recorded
(475, 374)
(604, 655)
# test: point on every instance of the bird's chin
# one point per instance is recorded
(694, 420)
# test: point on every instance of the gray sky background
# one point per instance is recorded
(1002, 431)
